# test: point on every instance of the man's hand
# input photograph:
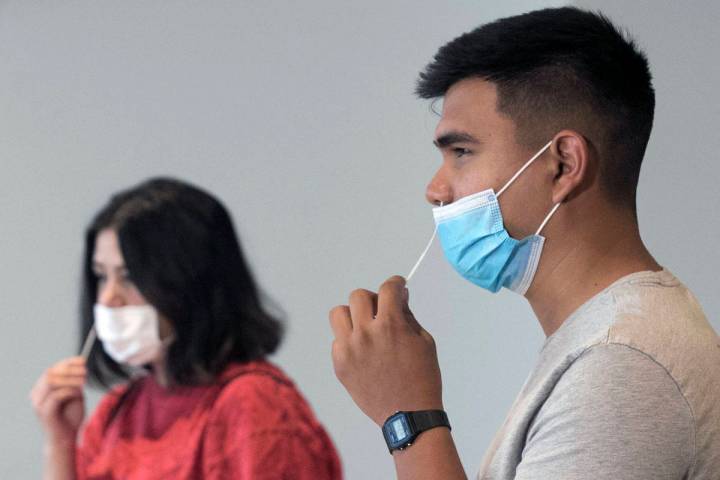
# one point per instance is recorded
(381, 354)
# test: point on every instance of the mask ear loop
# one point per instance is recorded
(524, 167)
(547, 218)
(519, 172)
(422, 255)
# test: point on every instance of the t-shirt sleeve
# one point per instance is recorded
(615, 414)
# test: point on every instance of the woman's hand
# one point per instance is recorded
(58, 400)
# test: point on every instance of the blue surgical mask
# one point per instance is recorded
(478, 246)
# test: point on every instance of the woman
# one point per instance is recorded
(180, 323)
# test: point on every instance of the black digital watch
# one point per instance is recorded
(401, 429)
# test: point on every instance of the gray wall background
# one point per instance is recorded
(301, 118)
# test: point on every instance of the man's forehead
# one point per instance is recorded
(469, 105)
(470, 93)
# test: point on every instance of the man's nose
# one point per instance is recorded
(111, 294)
(438, 190)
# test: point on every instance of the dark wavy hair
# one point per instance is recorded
(182, 253)
(560, 68)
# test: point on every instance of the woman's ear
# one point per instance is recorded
(571, 157)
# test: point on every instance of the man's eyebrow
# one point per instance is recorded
(450, 138)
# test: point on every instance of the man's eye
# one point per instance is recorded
(461, 152)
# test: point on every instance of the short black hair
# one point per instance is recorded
(182, 253)
(560, 68)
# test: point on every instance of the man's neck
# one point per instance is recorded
(576, 267)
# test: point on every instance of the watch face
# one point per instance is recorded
(397, 431)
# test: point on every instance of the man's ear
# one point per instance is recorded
(572, 164)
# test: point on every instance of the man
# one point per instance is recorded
(544, 125)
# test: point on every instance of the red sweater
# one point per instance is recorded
(250, 424)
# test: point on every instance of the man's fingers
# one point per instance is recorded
(363, 306)
(412, 322)
(426, 335)
(341, 321)
(392, 298)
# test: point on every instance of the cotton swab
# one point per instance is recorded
(88, 344)
(422, 255)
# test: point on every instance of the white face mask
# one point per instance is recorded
(129, 334)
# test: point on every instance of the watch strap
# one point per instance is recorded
(427, 419)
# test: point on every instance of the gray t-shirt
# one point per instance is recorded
(627, 388)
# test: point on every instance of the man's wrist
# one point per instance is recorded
(432, 456)
(429, 437)
(409, 407)
(401, 429)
